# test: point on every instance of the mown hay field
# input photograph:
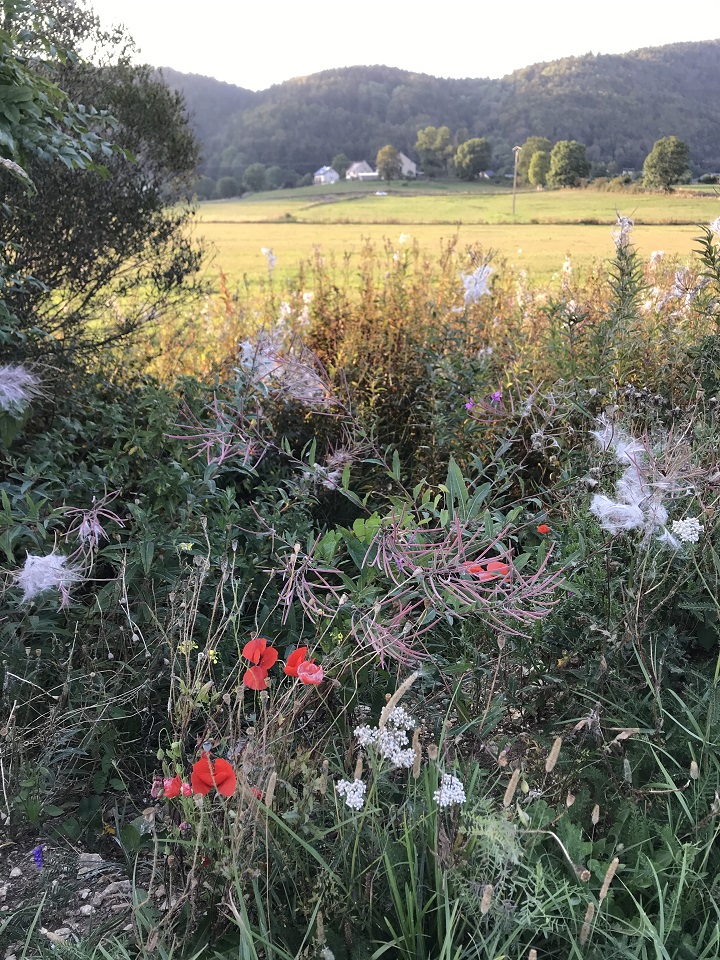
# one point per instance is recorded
(547, 227)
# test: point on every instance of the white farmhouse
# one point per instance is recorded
(326, 175)
(409, 169)
(356, 170)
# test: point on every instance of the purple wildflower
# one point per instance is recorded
(470, 404)
(496, 397)
(37, 853)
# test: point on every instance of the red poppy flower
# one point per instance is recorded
(255, 678)
(489, 570)
(543, 528)
(294, 660)
(254, 649)
(207, 774)
(309, 672)
(257, 651)
(172, 786)
(256, 792)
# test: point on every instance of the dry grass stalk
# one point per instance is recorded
(595, 815)
(417, 749)
(511, 788)
(396, 697)
(270, 792)
(358, 769)
(486, 898)
(553, 755)
(589, 915)
(608, 879)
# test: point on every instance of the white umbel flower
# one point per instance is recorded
(391, 742)
(40, 574)
(687, 530)
(18, 387)
(450, 792)
(715, 226)
(366, 735)
(353, 791)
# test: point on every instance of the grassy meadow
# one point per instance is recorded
(548, 225)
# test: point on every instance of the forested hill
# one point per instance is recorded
(618, 105)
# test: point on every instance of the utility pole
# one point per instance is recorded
(516, 151)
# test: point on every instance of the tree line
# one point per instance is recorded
(617, 105)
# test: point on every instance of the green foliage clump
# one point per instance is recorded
(568, 164)
(483, 514)
(667, 163)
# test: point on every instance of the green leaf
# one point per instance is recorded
(147, 550)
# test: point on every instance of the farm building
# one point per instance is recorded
(326, 175)
(409, 169)
(356, 170)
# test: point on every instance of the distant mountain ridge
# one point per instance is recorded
(617, 104)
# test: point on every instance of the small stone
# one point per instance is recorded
(15, 873)
(3, 891)
(88, 863)
(117, 886)
(86, 909)
(84, 894)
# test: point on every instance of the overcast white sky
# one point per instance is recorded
(255, 43)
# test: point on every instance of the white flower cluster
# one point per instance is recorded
(688, 530)
(17, 387)
(391, 741)
(636, 505)
(476, 284)
(40, 574)
(450, 792)
(353, 791)
(715, 226)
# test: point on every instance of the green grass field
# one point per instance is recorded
(548, 225)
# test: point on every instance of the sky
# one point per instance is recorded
(254, 44)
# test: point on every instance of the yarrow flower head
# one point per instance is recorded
(687, 530)
(354, 792)
(390, 741)
(40, 574)
(450, 792)
(17, 387)
(476, 284)
(715, 226)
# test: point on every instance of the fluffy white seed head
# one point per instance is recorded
(40, 574)
(18, 386)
